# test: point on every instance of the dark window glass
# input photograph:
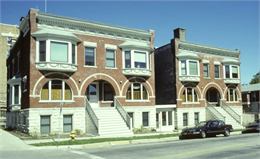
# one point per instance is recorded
(110, 58)
(73, 54)
(89, 56)
(206, 70)
(127, 59)
(196, 118)
(227, 71)
(108, 92)
(169, 117)
(45, 124)
(16, 94)
(145, 119)
(185, 119)
(42, 50)
(216, 71)
(67, 123)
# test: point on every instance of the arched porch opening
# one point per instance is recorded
(100, 93)
(213, 96)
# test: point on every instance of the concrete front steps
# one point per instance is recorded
(111, 122)
(229, 119)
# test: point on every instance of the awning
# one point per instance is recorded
(56, 34)
(135, 45)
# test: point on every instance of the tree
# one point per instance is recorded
(255, 79)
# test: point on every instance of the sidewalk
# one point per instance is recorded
(9, 141)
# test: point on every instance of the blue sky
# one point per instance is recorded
(225, 24)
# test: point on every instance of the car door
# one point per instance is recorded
(214, 127)
(221, 126)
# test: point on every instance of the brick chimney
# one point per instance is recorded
(180, 33)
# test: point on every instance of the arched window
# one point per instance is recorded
(190, 95)
(231, 95)
(56, 90)
(136, 91)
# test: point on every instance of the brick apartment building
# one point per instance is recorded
(103, 75)
(9, 33)
(203, 81)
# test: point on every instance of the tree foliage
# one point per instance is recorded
(255, 79)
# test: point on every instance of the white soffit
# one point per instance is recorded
(135, 45)
(188, 55)
(230, 61)
(55, 34)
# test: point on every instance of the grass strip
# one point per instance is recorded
(98, 140)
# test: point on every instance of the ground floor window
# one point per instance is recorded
(190, 95)
(45, 125)
(136, 91)
(185, 119)
(232, 95)
(196, 118)
(108, 94)
(67, 123)
(145, 119)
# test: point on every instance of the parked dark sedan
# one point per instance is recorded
(254, 126)
(206, 128)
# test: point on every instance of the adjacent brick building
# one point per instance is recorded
(203, 81)
(90, 67)
(9, 33)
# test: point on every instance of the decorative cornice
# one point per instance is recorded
(200, 48)
(91, 26)
(56, 66)
(187, 78)
(231, 81)
(137, 72)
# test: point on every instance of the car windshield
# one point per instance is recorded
(256, 121)
(203, 123)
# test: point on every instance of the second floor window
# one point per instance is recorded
(127, 59)
(110, 58)
(217, 72)
(42, 51)
(89, 56)
(205, 70)
(189, 67)
(59, 52)
(231, 71)
(140, 60)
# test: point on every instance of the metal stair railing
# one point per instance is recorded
(93, 116)
(231, 112)
(123, 113)
(214, 112)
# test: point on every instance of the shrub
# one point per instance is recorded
(78, 131)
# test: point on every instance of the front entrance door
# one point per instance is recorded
(92, 94)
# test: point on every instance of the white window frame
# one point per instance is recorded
(63, 94)
(230, 71)
(48, 49)
(132, 51)
(186, 96)
(12, 93)
(234, 93)
(92, 45)
(188, 67)
(113, 48)
(132, 93)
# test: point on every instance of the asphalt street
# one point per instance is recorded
(237, 146)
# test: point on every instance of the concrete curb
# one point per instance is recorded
(113, 143)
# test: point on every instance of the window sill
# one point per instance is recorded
(206, 77)
(233, 102)
(138, 101)
(107, 101)
(190, 103)
(111, 68)
(218, 78)
(86, 66)
(57, 101)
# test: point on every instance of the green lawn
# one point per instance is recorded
(98, 140)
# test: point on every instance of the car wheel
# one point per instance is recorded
(226, 133)
(202, 134)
